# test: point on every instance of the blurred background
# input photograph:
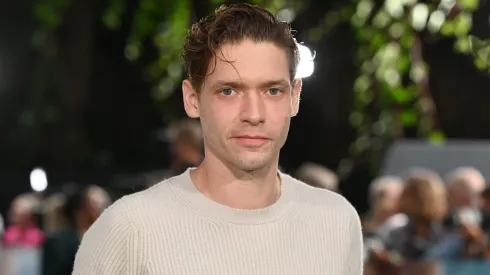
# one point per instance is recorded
(393, 116)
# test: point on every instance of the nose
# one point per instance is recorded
(252, 109)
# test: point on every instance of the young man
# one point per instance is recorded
(234, 213)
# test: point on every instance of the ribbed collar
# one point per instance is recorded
(187, 192)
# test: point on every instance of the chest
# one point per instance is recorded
(275, 249)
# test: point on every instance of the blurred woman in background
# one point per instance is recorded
(23, 230)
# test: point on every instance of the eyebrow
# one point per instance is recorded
(240, 85)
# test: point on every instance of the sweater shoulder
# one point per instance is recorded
(318, 198)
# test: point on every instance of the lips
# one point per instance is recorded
(251, 140)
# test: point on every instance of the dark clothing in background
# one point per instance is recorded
(59, 252)
(402, 240)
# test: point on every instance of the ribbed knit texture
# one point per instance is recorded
(171, 229)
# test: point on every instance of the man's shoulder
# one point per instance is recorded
(320, 198)
(144, 204)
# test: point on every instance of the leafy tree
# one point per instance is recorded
(391, 93)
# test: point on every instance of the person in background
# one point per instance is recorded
(186, 145)
(423, 201)
(235, 213)
(465, 185)
(54, 219)
(485, 198)
(384, 195)
(23, 230)
(1, 225)
(186, 148)
(82, 206)
(317, 176)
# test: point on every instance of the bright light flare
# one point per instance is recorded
(39, 180)
(306, 64)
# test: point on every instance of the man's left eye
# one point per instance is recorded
(274, 91)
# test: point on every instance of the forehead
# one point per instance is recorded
(250, 62)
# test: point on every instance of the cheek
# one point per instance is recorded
(214, 123)
(281, 123)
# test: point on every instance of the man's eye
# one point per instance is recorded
(274, 91)
(227, 91)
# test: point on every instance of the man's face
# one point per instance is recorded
(245, 107)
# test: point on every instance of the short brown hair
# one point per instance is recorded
(427, 194)
(233, 24)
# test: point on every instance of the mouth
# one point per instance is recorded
(251, 140)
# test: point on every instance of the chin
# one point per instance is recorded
(252, 164)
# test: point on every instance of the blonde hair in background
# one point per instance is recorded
(53, 213)
(27, 201)
(380, 185)
(427, 194)
(467, 181)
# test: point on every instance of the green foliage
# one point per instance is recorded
(391, 92)
(481, 51)
(49, 15)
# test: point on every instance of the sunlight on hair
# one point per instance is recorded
(39, 180)
(306, 65)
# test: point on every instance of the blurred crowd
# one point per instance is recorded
(41, 233)
(425, 218)
(419, 218)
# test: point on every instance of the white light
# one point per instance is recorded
(394, 8)
(306, 65)
(39, 180)
(436, 20)
(286, 15)
(420, 13)
(447, 6)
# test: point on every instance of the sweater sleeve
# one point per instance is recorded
(110, 245)
(355, 256)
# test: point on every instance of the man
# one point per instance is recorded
(81, 207)
(234, 213)
(464, 186)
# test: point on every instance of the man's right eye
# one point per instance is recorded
(227, 91)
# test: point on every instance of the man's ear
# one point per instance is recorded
(191, 99)
(295, 96)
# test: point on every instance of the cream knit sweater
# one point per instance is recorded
(171, 229)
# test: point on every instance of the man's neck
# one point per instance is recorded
(237, 189)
